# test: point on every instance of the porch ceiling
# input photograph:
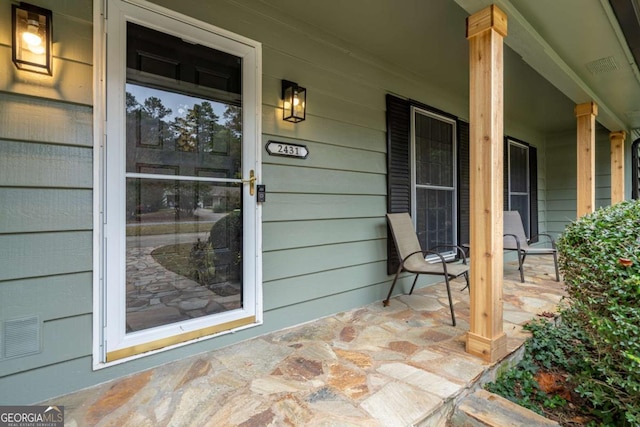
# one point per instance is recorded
(567, 52)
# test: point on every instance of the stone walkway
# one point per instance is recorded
(157, 296)
(372, 366)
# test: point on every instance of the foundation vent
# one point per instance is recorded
(21, 337)
(602, 65)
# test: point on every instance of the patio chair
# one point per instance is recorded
(412, 257)
(515, 239)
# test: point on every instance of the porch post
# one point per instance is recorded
(617, 166)
(586, 144)
(485, 32)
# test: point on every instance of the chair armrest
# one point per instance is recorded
(461, 253)
(442, 260)
(423, 254)
(516, 239)
(553, 242)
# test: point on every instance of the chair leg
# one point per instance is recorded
(555, 263)
(395, 279)
(414, 284)
(453, 316)
(468, 287)
(520, 262)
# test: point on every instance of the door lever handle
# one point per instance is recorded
(251, 181)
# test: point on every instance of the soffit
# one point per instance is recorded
(550, 43)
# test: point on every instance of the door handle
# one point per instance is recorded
(251, 181)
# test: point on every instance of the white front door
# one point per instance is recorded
(181, 225)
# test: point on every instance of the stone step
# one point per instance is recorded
(485, 409)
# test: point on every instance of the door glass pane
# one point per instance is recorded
(183, 250)
(184, 228)
(434, 218)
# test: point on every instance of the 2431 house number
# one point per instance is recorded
(276, 148)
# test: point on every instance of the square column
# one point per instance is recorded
(486, 30)
(617, 166)
(586, 155)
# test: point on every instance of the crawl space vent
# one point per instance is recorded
(21, 337)
(602, 65)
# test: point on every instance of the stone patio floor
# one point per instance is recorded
(371, 366)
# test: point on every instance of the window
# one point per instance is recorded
(428, 175)
(521, 182)
(518, 167)
(425, 150)
(433, 152)
(180, 235)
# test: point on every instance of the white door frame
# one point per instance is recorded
(109, 336)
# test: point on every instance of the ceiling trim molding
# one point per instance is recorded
(535, 51)
(618, 30)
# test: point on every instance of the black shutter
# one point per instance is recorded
(533, 191)
(464, 190)
(398, 168)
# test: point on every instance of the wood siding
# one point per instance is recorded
(560, 170)
(46, 197)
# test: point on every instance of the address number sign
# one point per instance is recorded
(276, 148)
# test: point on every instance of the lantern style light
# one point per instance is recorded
(31, 38)
(295, 102)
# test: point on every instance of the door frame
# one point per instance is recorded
(108, 225)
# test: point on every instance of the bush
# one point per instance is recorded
(599, 257)
(226, 240)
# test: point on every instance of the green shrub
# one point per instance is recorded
(226, 240)
(600, 260)
(551, 348)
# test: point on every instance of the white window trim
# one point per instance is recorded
(165, 20)
(448, 255)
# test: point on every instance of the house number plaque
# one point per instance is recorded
(275, 148)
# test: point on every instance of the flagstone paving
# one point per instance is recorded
(372, 366)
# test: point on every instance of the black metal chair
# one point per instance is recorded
(412, 257)
(515, 239)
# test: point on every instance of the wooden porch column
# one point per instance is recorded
(586, 143)
(485, 32)
(617, 166)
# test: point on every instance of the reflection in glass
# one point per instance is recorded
(519, 182)
(183, 170)
(434, 151)
(183, 250)
(434, 220)
(182, 132)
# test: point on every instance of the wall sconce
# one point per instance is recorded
(31, 38)
(295, 102)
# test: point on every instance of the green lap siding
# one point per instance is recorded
(31, 210)
(44, 254)
(62, 339)
(561, 177)
(46, 202)
(299, 234)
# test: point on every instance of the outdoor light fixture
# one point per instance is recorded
(295, 102)
(31, 38)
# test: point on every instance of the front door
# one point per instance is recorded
(181, 161)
